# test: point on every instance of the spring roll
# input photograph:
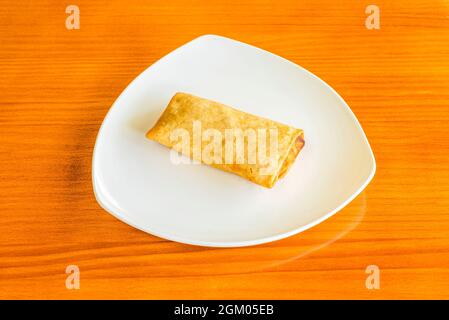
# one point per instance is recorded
(257, 149)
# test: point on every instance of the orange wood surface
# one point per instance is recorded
(57, 85)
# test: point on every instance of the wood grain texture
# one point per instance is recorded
(57, 85)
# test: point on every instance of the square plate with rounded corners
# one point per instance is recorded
(135, 180)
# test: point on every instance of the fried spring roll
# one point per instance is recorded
(255, 148)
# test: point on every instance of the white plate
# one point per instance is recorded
(135, 180)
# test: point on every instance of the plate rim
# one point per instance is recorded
(229, 244)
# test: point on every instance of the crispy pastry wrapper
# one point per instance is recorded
(222, 126)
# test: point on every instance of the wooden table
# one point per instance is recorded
(57, 85)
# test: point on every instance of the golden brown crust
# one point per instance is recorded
(184, 109)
